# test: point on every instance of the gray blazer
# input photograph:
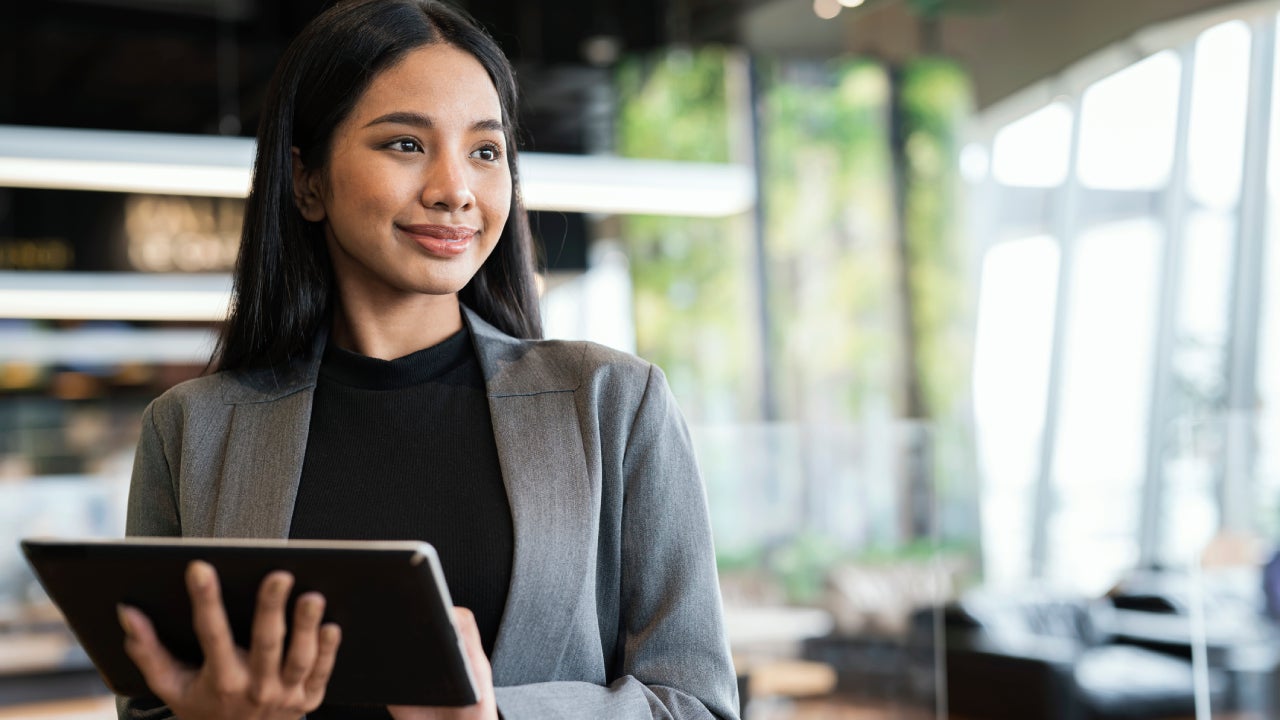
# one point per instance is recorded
(614, 608)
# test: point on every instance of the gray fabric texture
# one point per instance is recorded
(614, 608)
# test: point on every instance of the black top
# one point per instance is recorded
(404, 450)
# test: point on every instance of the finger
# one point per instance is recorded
(307, 613)
(474, 647)
(209, 617)
(162, 672)
(326, 656)
(269, 626)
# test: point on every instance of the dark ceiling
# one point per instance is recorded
(201, 66)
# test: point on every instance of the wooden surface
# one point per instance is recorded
(99, 708)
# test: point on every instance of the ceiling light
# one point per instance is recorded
(826, 9)
(128, 177)
(114, 296)
(602, 184)
(104, 346)
(852, 3)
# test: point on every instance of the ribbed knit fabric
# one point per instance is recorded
(404, 450)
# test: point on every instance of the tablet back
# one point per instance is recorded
(399, 644)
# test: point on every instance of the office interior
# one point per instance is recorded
(970, 305)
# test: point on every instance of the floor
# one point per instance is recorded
(831, 709)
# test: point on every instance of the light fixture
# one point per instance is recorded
(114, 296)
(852, 3)
(602, 184)
(105, 346)
(208, 165)
(118, 161)
(826, 9)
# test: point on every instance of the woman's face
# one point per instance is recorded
(416, 189)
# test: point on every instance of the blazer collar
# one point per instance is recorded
(511, 366)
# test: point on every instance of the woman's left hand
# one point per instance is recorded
(487, 707)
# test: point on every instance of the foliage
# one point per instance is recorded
(934, 103)
(828, 207)
(834, 342)
(691, 276)
(801, 565)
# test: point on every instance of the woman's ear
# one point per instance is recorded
(306, 190)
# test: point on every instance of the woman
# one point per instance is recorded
(380, 377)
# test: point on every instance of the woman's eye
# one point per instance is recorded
(488, 153)
(406, 145)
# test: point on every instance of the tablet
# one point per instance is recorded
(399, 643)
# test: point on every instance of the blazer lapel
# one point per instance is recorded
(535, 426)
(259, 481)
(266, 442)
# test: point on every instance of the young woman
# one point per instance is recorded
(380, 377)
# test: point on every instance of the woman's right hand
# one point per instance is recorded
(263, 683)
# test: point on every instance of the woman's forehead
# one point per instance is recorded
(438, 81)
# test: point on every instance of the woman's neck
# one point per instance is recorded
(391, 329)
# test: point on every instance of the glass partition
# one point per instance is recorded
(1223, 594)
(835, 571)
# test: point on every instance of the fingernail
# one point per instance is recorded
(125, 621)
(199, 573)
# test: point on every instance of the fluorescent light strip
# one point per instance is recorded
(217, 166)
(127, 177)
(604, 184)
(112, 305)
(114, 296)
(105, 346)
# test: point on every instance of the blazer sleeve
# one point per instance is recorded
(152, 510)
(153, 496)
(675, 660)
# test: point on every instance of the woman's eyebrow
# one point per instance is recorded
(425, 122)
(494, 125)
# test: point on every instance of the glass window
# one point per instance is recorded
(1268, 422)
(1127, 125)
(1099, 454)
(1033, 151)
(1193, 441)
(1010, 382)
(1219, 100)
(1204, 303)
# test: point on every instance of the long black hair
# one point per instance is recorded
(283, 275)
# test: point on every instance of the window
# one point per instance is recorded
(1010, 379)
(1103, 443)
(1127, 125)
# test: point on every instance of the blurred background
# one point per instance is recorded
(969, 304)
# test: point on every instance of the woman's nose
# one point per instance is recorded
(447, 186)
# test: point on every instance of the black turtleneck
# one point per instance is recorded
(404, 450)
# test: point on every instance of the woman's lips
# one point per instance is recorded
(441, 240)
